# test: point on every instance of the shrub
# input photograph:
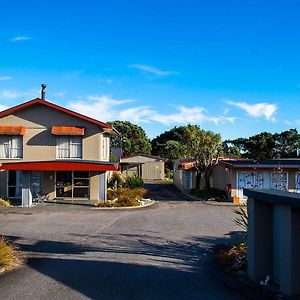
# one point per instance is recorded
(242, 217)
(116, 180)
(4, 203)
(134, 182)
(209, 193)
(10, 258)
(234, 257)
(169, 174)
(123, 197)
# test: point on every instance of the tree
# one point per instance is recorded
(288, 143)
(231, 150)
(260, 146)
(206, 148)
(134, 138)
(170, 144)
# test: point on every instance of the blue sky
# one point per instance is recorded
(230, 66)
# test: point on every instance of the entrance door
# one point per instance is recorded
(64, 184)
(72, 184)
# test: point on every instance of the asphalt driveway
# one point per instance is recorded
(162, 252)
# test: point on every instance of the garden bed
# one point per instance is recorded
(124, 197)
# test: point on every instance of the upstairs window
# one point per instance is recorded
(69, 147)
(11, 146)
(104, 147)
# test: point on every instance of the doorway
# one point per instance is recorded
(72, 184)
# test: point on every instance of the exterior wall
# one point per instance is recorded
(222, 177)
(180, 177)
(153, 170)
(40, 144)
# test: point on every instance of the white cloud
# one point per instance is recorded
(107, 81)
(20, 38)
(106, 109)
(59, 94)
(152, 70)
(5, 77)
(287, 122)
(13, 94)
(257, 110)
(2, 107)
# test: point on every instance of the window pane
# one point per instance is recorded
(4, 147)
(63, 146)
(81, 174)
(81, 182)
(12, 175)
(11, 192)
(76, 147)
(81, 192)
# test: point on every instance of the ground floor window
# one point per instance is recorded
(36, 183)
(72, 184)
(279, 181)
(14, 184)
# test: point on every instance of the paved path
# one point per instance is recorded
(161, 252)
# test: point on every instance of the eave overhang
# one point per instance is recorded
(60, 166)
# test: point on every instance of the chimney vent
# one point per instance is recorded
(43, 91)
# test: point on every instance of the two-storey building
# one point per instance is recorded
(48, 148)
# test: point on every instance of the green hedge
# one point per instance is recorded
(209, 193)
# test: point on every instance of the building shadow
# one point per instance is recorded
(129, 266)
(166, 192)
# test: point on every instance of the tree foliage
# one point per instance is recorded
(170, 144)
(204, 147)
(266, 145)
(134, 138)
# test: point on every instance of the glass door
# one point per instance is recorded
(71, 184)
(64, 184)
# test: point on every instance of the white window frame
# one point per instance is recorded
(283, 182)
(68, 149)
(104, 147)
(11, 149)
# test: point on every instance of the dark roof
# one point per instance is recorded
(269, 163)
(145, 155)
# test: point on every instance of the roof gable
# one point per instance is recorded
(56, 107)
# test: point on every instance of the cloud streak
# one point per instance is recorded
(257, 110)
(5, 77)
(13, 94)
(151, 70)
(106, 108)
(20, 38)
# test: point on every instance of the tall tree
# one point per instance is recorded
(258, 147)
(206, 148)
(288, 143)
(170, 144)
(134, 138)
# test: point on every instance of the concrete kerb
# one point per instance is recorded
(210, 202)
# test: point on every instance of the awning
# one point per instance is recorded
(12, 130)
(188, 165)
(60, 166)
(67, 130)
